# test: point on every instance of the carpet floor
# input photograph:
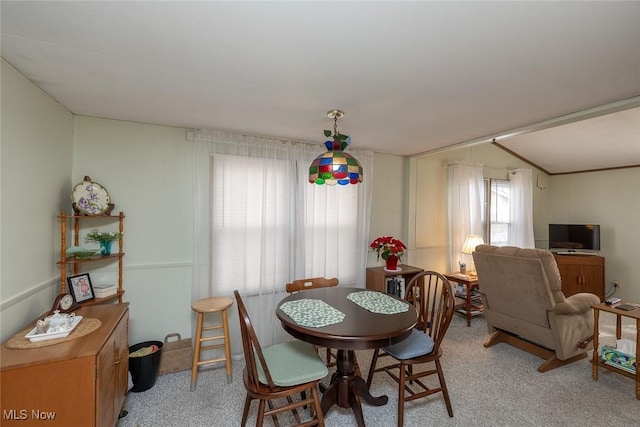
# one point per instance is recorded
(497, 386)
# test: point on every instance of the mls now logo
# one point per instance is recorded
(23, 414)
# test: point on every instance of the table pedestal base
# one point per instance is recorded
(347, 389)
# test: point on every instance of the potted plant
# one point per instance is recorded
(104, 238)
(390, 250)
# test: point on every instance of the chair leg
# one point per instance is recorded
(316, 405)
(260, 416)
(372, 368)
(401, 395)
(196, 351)
(227, 346)
(443, 385)
(245, 412)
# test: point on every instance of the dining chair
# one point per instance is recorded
(432, 296)
(314, 283)
(279, 371)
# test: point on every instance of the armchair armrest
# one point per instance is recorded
(577, 303)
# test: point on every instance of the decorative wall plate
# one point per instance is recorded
(90, 198)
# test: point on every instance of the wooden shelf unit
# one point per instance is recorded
(376, 276)
(597, 361)
(81, 382)
(581, 273)
(471, 304)
(74, 264)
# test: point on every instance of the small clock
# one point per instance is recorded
(64, 303)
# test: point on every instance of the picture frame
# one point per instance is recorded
(80, 287)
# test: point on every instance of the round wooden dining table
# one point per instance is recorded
(360, 329)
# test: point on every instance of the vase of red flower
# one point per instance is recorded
(391, 263)
(390, 250)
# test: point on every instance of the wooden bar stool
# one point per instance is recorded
(211, 305)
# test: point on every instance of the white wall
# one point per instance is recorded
(611, 199)
(147, 171)
(35, 184)
(428, 221)
(389, 202)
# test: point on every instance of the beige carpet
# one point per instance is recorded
(499, 386)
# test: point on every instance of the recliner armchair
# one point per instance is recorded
(525, 307)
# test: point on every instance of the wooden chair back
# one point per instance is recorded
(432, 296)
(251, 346)
(312, 283)
(268, 393)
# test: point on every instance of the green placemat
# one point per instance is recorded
(377, 302)
(314, 313)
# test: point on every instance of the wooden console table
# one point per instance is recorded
(472, 305)
(597, 361)
(81, 382)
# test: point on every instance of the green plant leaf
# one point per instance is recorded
(327, 132)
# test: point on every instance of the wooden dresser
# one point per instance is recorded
(81, 382)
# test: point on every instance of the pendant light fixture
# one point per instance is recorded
(335, 166)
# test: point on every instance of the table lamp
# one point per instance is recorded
(468, 247)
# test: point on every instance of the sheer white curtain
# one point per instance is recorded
(259, 223)
(521, 206)
(465, 204)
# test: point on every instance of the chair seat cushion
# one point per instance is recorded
(417, 344)
(292, 363)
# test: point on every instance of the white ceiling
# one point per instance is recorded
(411, 76)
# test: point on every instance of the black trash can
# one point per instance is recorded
(144, 369)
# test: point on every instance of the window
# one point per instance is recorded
(274, 230)
(497, 210)
(251, 219)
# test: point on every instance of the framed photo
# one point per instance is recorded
(80, 287)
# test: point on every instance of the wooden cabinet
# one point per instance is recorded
(377, 276)
(581, 273)
(103, 222)
(81, 382)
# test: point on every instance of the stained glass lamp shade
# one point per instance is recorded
(335, 166)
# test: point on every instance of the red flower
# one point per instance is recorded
(386, 246)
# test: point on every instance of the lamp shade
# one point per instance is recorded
(470, 243)
(335, 167)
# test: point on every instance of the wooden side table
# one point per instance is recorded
(376, 276)
(597, 361)
(471, 305)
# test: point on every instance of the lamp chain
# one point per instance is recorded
(335, 125)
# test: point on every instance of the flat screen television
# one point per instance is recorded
(574, 237)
